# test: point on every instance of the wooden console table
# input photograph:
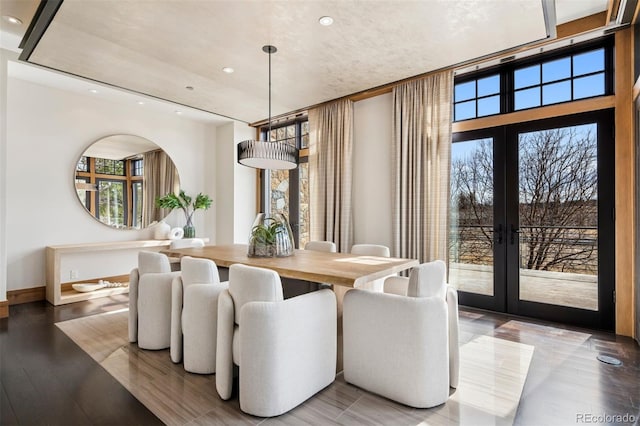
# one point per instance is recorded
(56, 295)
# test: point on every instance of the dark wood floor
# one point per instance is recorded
(47, 379)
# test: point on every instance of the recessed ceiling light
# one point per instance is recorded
(228, 70)
(179, 112)
(93, 90)
(12, 19)
(189, 87)
(326, 20)
(140, 102)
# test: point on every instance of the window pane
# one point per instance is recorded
(305, 134)
(527, 77)
(588, 62)
(489, 106)
(303, 222)
(82, 193)
(556, 92)
(137, 204)
(556, 70)
(489, 85)
(280, 192)
(111, 203)
(83, 164)
(465, 110)
(527, 98)
(585, 87)
(464, 91)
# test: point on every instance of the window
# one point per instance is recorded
(565, 79)
(287, 191)
(477, 98)
(137, 167)
(565, 76)
(106, 166)
(115, 194)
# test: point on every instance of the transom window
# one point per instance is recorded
(583, 72)
(477, 98)
(106, 166)
(560, 80)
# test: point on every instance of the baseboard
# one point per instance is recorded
(4, 309)
(26, 295)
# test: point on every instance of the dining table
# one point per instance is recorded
(338, 269)
(343, 271)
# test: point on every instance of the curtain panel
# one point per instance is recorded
(421, 152)
(160, 177)
(330, 173)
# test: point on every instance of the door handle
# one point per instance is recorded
(498, 234)
(514, 232)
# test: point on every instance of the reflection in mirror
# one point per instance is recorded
(119, 177)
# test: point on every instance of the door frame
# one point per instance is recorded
(506, 290)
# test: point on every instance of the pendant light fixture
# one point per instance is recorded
(266, 154)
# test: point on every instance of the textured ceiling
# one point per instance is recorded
(160, 47)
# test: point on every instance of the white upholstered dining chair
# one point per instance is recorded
(371, 250)
(285, 349)
(150, 301)
(194, 315)
(404, 348)
(326, 246)
(183, 243)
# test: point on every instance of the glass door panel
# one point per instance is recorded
(471, 221)
(558, 216)
(111, 202)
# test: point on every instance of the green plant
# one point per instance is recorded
(266, 233)
(183, 201)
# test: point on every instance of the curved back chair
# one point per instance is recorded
(326, 246)
(150, 301)
(371, 250)
(424, 323)
(285, 349)
(194, 315)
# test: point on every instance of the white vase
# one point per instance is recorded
(161, 231)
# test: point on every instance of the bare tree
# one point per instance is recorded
(557, 200)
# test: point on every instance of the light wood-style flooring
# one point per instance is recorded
(47, 379)
(492, 375)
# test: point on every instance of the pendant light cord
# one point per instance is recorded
(269, 138)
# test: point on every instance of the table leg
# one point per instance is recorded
(340, 291)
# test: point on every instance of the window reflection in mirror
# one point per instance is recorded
(118, 178)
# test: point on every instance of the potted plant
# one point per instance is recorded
(270, 237)
(188, 205)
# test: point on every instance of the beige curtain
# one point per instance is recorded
(421, 165)
(160, 177)
(330, 168)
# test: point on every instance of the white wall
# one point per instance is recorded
(47, 131)
(372, 171)
(5, 56)
(236, 184)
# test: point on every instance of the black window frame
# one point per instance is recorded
(508, 69)
(294, 177)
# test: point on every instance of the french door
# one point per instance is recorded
(531, 222)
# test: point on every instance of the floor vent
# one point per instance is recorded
(609, 360)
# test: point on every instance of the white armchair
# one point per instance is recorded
(404, 347)
(194, 315)
(371, 250)
(150, 301)
(285, 349)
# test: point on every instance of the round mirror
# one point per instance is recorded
(119, 177)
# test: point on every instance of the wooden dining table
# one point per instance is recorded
(338, 269)
(342, 270)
